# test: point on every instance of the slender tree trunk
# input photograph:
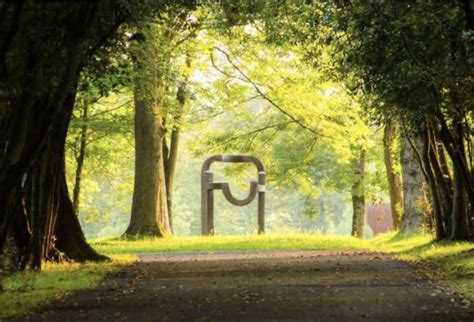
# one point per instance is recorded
(322, 214)
(393, 175)
(439, 208)
(358, 196)
(413, 192)
(454, 145)
(80, 159)
(171, 152)
(170, 171)
(443, 181)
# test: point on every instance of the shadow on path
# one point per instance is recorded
(262, 285)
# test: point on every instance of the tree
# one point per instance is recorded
(38, 85)
(414, 197)
(156, 72)
(302, 125)
(424, 78)
(414, 58)
(149, 210)
(358, 195)
(171, 145)
(391, 151)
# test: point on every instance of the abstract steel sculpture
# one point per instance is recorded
(208, 187)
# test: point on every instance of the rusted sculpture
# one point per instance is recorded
(208, 187)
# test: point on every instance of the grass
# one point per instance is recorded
(223, 243)
(23, 292)
(454, 261)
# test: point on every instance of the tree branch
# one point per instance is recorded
(263, 95)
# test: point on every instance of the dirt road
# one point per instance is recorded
(263, 285)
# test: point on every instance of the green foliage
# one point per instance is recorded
(263, 100)
(247, 97)
(107, 177)
(415, 57)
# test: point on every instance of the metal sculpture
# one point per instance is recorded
(208, 186)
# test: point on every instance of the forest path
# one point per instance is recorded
(262, 285)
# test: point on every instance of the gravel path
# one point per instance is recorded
(263, 285)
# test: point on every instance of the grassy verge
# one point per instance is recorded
(23, 292)
(453, 261)
(222, 243)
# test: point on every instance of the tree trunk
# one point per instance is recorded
(461, 203)
(70, 239)
(393, 175)
(439, 208)
(171, 152)
(358, 196)
(413, 192)
(460, 225)
(31, 151)
(149, 206)
(80, 159)
(50, 217)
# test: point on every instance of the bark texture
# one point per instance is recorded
(358, 196)
(414, 196)
(80, 157)
(394, 180)
(149, 206)
(70, 239)
(36, 103)
(170, 150)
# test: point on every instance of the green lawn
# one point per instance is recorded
(222, 243)
(453, 262)
(23, 292)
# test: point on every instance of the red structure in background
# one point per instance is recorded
(378, 217)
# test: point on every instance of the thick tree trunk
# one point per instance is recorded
(393, 175)
(461, 202)
(443, 175)
(460, 225)
(149, 206)
(33, 113)
(80, 157)
(70, 239)
(358, 196)
(413, 192)
(50, 217)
